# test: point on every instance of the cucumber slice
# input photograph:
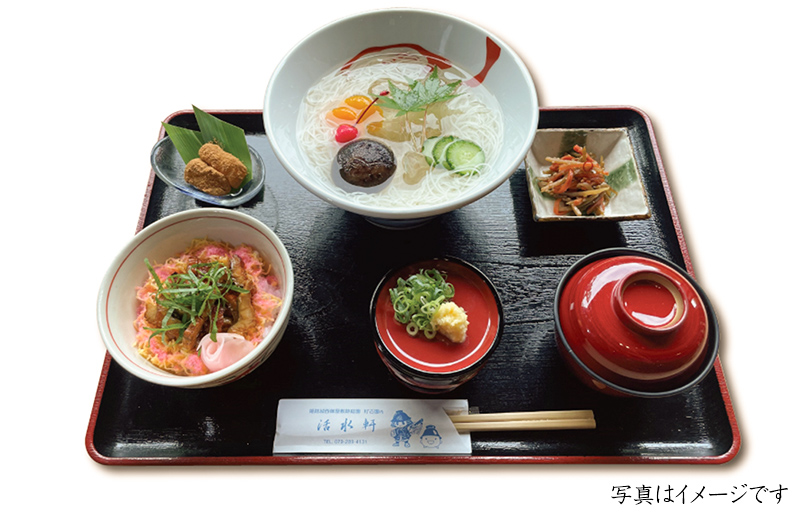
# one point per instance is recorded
(464, 156)
(439, 149)
(427, 149)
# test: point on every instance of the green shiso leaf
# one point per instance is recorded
(212, 129)
(622, 176)
(186, 141)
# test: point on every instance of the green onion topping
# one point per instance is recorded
(416, 299)
(188, 296)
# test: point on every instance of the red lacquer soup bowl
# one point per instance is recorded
(439, 365)
(630, 323)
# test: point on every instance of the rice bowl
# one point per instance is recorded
(118, 307)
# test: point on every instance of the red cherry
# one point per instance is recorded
(346, 133)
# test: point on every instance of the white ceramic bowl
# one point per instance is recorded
(117, 305)
(458, 41)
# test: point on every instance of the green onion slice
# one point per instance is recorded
(187, 296)
(416, 299)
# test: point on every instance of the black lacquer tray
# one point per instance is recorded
(327, 350)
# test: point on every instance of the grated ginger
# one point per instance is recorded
(450, 320)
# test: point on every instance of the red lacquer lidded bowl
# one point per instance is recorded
(438, 365)
(631, 323)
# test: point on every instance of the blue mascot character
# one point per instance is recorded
(403, 427)
(430, 437)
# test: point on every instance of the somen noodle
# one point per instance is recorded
(473, 115)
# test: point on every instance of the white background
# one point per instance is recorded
(85, 84)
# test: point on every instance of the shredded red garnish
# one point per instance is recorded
(578, 183)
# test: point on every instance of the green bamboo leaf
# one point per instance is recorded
(186, 141)
(212, 129)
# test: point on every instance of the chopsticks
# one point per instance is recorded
(509, 421)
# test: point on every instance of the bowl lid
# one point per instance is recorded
(634, 320)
